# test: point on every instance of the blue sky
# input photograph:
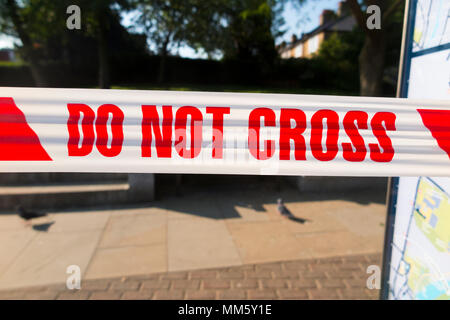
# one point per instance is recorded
(298, 19)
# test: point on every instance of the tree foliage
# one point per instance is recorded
(41, 27)
(380, 47)
(235, 29)
(342, 48)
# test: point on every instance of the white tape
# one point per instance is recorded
(87, 130)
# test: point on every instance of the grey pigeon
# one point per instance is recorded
(282, 209)
(28, 215)
(286, 213)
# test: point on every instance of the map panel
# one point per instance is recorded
(420, 268)
(432, 25)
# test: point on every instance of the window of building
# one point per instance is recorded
(313, 44)
(298, 51)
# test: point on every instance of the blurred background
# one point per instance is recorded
(190, 236)
(291, 46)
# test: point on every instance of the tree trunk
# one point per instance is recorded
(27, 43)
(371, 64)
(162, 67)
(162, 61)
(103, 58)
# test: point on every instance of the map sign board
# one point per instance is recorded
(417, 242)
(420, 259)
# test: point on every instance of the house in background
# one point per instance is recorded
(7, 55)
(309, 43)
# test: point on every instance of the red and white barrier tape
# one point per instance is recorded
(89, 130)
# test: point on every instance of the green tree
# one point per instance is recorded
(372, 58)
(32, 22)
(98, 17)
(251, 28)
(36, 22)
(237, 29)
(166, 23)
(338, 54)
(341, 47)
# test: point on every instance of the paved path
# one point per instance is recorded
(328, 278)
(213, 224)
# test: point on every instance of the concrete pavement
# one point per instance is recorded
(204, 228)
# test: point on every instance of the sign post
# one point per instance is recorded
(416, 260)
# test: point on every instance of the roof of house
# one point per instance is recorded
(344, 23)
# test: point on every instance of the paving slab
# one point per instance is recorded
(195, 206)
(126, 261)
(362, 220)
(11, 222)
(12, 243)
(266, 241)
(241, 212)
(78, 221)
(46, 258)
(327, 244)
(135, 229)
(197, 244)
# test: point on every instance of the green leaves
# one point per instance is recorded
(241, 29)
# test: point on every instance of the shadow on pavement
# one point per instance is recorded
(216, 196)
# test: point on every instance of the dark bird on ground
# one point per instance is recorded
(286, 213)
(28, 214)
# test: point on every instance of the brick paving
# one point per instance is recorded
(326, 278)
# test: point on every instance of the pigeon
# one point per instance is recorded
(286, 213)
(29, 215)
(282, 208)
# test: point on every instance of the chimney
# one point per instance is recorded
(293, 38)
(327, 16)
(282, 45)
(343, 9)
